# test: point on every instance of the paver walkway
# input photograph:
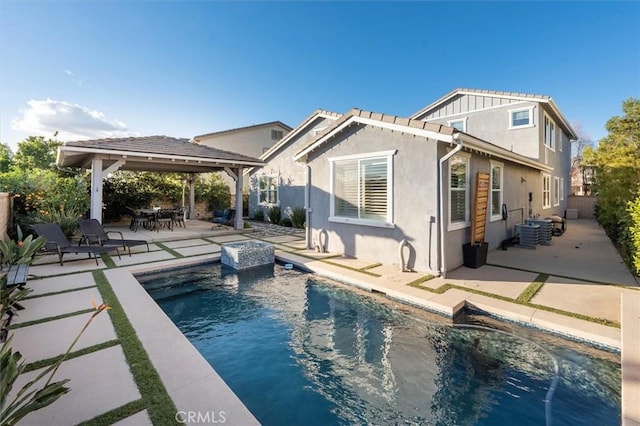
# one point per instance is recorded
(100, 378)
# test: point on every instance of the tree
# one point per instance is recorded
(36, 153)
(616, 161)
(581, 174)
(6, 156)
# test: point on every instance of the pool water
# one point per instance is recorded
(297, 350)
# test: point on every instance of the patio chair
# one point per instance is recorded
(226, 219)
(178, 219)
(94, 233)
(164, 218)
(136, 219)
(58, 243)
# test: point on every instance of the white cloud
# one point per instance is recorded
(71, 121)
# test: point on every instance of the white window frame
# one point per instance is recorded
(546, 191)
(269, 178)
(522, 126)
(498, 216)
(388, 222)
(551, 133)
(559, 139)
(276, 134)
(456, 120)
(556, 191)
(452, 226)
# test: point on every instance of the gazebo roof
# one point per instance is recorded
(152, 153)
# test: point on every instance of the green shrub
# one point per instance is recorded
(274, 215)
(298, 217)
(259, 215)
(68, 222)
(634, 243)
(40, 192)
(285, 221)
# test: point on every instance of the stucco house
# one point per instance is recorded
(527, 124)
(252, 141)
(281, 182)
(376, 181)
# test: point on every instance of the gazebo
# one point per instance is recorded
(155, 154)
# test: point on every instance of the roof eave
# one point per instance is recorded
(127, 154)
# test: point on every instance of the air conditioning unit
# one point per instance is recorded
(546, 229)
(528, 235)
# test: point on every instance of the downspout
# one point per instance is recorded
(450, 154)
(307, 205)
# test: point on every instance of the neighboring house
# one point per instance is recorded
(252, 140)
(281, 182)
(581, 177)
(376, 180)
(530, 125)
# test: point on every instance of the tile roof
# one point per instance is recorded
(160, 145)
(383, 118)
(240, 129)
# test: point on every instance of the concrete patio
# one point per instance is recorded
(581, 266)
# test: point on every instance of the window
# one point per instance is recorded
(519, 118)
(546, 191)
(560, 141)
(458, 192)
(268, 189)
(561, 188)
(549, 133)
(276, 135)
(458, 124)
(556, 191)
(362, 189)
(496, 191)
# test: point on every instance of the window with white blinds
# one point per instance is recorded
(459, 192)
(362, 189)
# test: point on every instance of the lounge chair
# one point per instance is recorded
(57, 242)
(226, 219)
(94, 233)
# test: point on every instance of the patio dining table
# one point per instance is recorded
(157, 217)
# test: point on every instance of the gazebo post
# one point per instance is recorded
(96, 189)
(192, 196)
(238, 222)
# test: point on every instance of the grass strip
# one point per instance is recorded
(157, 402)
(108, 261)
(43, 320)
(169, 250)
(373, 265)
(532, 289)
(445, 287)
(54, 293)
(361, 270)
(586, 280)
(117, 414)
(75, 354)
(421, 280)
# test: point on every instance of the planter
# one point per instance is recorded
(474, 256)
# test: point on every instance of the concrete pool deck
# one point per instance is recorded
(101, 381)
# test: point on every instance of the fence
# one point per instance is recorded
(585, 205)
(5, 213)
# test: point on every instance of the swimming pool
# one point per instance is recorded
(297, 350)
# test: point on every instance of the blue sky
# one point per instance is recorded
(95, 69)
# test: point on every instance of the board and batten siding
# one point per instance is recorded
(462, 104)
